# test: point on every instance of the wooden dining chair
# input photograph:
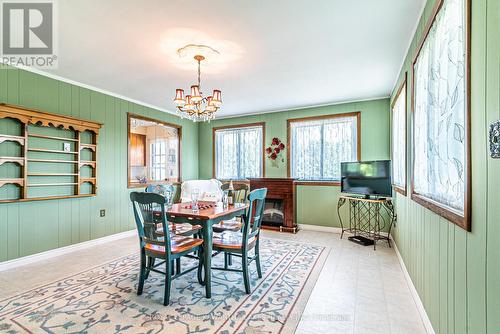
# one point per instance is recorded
(239, 243)
(241, 190)
(164, 246)
(168, 191)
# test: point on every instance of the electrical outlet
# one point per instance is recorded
(102, 213)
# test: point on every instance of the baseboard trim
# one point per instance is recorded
(416, 298)
(318, 228)
(6, 265)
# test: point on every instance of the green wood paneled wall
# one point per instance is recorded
(32, 227)
(316, 205)
(457, 273)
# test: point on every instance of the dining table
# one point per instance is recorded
(207, 214)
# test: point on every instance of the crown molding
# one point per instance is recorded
(311, 106)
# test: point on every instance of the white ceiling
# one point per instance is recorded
(275, 54)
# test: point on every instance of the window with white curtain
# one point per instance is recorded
(441, 115)
(319, 144)
(399, 140)
(238, 152)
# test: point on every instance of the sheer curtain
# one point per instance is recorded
(319, 146)
(399, 140)
(238, 153)
(440, 109)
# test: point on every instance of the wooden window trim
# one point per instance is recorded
(179, 146)
(289, 122)
(397, 188)
(457, 218)
(238, 126)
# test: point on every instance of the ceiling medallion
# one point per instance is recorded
(195, 106)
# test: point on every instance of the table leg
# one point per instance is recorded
(207, 256)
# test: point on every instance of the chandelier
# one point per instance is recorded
(195, 106)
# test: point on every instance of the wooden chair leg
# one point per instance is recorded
(178, 266)
(257, 263)
(151, 264)
(226, 260)
(142, 273)
(168, 282)
(246, 278)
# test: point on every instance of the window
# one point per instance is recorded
(154, 148)
(239, 151)
(317, 145)
(158, 159)
(399, 139)
(441, 172)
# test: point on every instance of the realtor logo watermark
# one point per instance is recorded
(29, 34)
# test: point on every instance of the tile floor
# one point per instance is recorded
(359, 290)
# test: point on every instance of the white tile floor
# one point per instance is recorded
(359, 290)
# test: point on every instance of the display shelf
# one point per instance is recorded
(88, 180)
(52, 137)
(36, 121)
(52, 174)
(52, 184)
(17, 160)
(88, 163)
(18, 139)
(53, 161)
(88, 146)
(18, 181)
(50, 151)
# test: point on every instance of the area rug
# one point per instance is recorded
(104, 300)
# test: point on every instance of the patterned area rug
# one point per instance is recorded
(104, 299)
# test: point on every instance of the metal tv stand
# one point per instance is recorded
(368, 217)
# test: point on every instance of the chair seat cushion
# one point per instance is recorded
(228, 225)
(231, 240)
(178, 244)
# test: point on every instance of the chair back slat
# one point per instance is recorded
(149, 214)
(240, 191)
(253, 217)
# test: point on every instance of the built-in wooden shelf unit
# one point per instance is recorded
(49, 157)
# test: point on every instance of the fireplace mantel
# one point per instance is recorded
(279, 189)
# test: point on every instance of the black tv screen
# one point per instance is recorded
(368, 178)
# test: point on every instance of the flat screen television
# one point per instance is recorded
(367, 178)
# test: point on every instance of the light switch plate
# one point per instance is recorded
(495, 140)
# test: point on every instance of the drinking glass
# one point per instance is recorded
(225, 199)
(194, 198)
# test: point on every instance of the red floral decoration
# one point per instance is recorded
(275, 149)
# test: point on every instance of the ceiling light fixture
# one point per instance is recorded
(195, 106)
